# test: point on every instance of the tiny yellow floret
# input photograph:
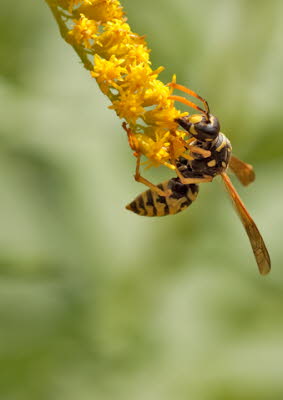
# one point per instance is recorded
(119, 61)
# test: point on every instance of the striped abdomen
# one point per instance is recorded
(150, 204)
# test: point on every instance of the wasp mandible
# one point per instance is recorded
(209, 156)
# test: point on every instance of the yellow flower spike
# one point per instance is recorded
(137, 78)
(156, 152)
(156, 93)
(119, 61)
(138, 54)
(102, 10)
(84, 31)
(107, 72)
(163, 116)
(129, 106)
(115, 32)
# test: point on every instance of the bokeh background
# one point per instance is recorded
(96, 302)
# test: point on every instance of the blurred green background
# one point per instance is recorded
(96, 302)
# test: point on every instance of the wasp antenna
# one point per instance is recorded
(191, 93)
(187, 102)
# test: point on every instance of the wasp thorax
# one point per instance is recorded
(202, 127)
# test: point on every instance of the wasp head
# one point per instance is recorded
(204, 127)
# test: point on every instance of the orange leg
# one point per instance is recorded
(194, 149)
(186, 181)
(187, 157)
(135, 147)
(133, 143)
(153, 187)
(204, 153)
(186, 144)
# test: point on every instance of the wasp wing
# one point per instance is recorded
(256, 240)
(243, 171)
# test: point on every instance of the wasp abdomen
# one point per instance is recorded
(150, 204)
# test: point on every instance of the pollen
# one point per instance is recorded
(118, 59)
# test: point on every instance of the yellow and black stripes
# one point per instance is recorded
(201, 166)
(150, 204)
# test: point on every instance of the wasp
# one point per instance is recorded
(209, 155)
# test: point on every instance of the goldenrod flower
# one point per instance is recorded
(129, 106)
(85, 31)
(119, 61)
(107, 72)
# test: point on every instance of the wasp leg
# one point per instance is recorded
(192, 149)
(135, 147)
(187, 181)
(198, 150)
(133, 143)
(192, 178)
(151, 185)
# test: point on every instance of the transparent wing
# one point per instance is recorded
(244, 172)
(256, 240)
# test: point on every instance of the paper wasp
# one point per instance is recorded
(209, 155)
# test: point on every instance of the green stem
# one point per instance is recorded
(64, 31)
